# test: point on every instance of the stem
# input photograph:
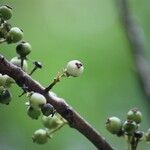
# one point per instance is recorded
(136, 42)
(73, 118)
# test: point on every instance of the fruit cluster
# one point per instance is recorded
(129, 128)
(37, 105)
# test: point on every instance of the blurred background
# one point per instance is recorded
(62, 30)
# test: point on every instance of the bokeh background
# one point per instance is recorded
(88, 30)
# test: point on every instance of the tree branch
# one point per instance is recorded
(137, 46)
(74, 119)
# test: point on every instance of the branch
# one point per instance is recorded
(74, 119)
(137, 46)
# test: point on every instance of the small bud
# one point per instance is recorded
(23, 49)
(37, 100)
(114, 125)
(40, 136)
(130, 127)
(5, 97)
(51, 122)
(14, 35)
(47, 109)
(147, 136)
(74, 68)
(33, 113)
(16, 61)
(5, 12)
(134, 115)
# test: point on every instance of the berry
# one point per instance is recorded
(130, 127)
(14, 35)
(147, 136)
(5, 12)
(16, 61)
(23, 49)
(114, 125)
(47, 109)
(40, 136)
(74, 68)
(5, 96)
(6, 81)
(134, 115)
(33, 113)
(37, 100)
(51, 122)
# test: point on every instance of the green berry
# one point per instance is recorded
(37, 100)
(130, 127)
(40, 136)
(147, 136)
(134, 115)
(6, 81)
(5, 12)
(23, 49)
(14, 35)
(33, 113)
(47, 109)
(114, 125)
(5, 97)
(51, 122)
(17, 61)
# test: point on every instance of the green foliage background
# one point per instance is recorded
(88, 30)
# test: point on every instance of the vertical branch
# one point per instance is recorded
(137, 46)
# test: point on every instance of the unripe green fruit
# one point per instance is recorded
(23, 49)
(47, 109)
(14, 35)
(37, 100)
(6, 81)
(33, 113)
(16, 61)
(40, 136)
(51, 122)
(74, 68)
(114, 125)
(134, 115)
(5, 12)
(130, 127)
(5, 97)
(147, 136)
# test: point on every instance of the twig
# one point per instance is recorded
(74, 119)
(137, 46)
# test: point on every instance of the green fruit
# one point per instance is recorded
(130, 127)
(51, 122)
(6, 81)
(5, 97)
(40, 136)
(33, 112)
(5, 12)
(147, 135)
(47, 109)
(114, 125)
(37, 100)
(134, 115)
(16, 61)
(23, 49)
(14, 35)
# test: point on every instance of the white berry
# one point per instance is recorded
(37, 100)
(74, 68)
(16, 61)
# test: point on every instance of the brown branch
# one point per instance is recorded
(74, 119)
(137, 46)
